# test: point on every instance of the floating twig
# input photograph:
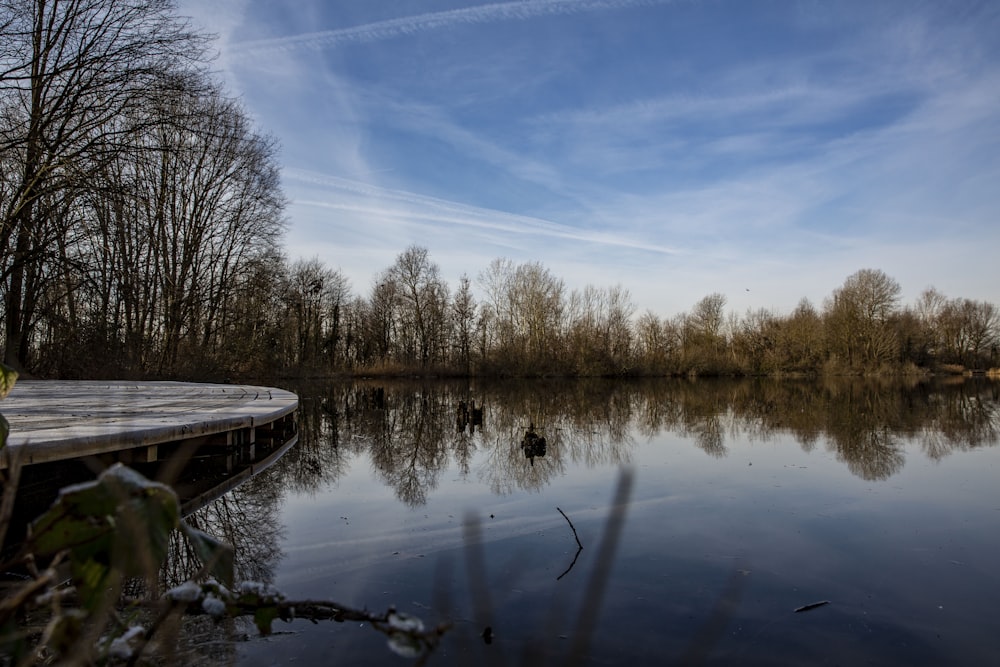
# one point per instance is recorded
(566, 571)
(579, 547)
(813, 605)
(571, 527)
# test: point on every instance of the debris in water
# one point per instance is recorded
(813, 605)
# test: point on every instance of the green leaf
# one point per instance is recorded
(263, 616)
(8, 376)
(121, 520)
(214, 554)
(82, 518)
(92, 579)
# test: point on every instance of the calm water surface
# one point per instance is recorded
(745, 501)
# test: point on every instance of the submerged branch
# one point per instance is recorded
(575, 557)
(579, 546)
(572, 527)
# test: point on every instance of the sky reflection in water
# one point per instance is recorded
(749, 500)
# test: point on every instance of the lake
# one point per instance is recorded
(708, 512)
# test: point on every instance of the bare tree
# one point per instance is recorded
(525, 310)
(537, 297)
(704, 339)
(801, 341)
(658, 344)
(68, 71)
(599, 336)
(498, 309)
(423, 301)
(382, 317)
(315, 297)
(858, 316)
(968, 330)
(463, 314)
(755, 341)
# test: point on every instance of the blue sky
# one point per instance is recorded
(765, 150)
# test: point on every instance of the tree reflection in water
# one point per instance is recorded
(410, 430)
(247, 518)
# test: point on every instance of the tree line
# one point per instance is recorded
(526, 322)
(141, 217)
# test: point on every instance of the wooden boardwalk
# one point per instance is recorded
(55, 421)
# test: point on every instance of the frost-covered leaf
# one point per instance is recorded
(186, 592)
(260, 590)
(405, 622)
(405, 640)
(213, 606)
(123, 647)
(405, 645)
(217, 589)
(121, 520)
(218, 556)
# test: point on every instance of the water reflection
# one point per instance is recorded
(247, 518)
(529, 431)
(522, 436)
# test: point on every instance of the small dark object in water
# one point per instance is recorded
(488, 634)
(813, 605)
(532, 444)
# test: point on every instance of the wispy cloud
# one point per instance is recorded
(407, 25)
(677, 151)
(385, 203)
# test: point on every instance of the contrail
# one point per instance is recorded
(403, 205)
(407, 25)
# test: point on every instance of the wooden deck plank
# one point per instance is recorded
(53, 420)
